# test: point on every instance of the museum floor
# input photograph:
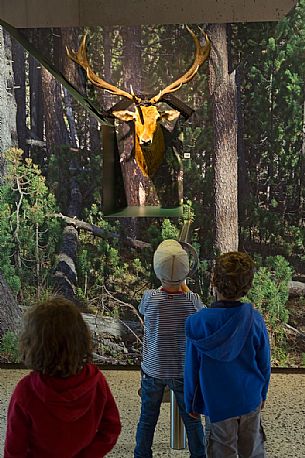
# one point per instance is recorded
(284, 415)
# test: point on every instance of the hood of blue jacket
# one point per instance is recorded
(220, 333)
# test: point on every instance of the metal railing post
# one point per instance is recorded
(178, 435)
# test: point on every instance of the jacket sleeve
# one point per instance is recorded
(108, 431)
(263, 358)
(192, 393)
(17, 433)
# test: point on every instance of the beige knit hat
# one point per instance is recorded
(171, 263)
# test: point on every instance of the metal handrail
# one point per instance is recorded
(177, 428)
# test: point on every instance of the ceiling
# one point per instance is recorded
(69, 13)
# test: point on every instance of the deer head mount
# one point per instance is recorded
(149, 140)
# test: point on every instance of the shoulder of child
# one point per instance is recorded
(148, 294)
(258, 316)
(145, 298)
(102, 380)
(259, 321)
(256, 312)
(195, 298)
(23, 389)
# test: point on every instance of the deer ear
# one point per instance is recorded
(170, 115)
(124, 115)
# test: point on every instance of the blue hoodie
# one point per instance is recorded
(227, 365)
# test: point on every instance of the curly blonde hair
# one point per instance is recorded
(233, 274)
(55, 339)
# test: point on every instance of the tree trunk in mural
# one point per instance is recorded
(55, 129)
(8, 131)
(19, 77)
(52, 112)
(9, 310)
(101, 96)
(59, 136)
(104, 98)
(139, 190)
(223, 94)
(36, 99)
(301, 178)
(243, 182)
(131, 37)
(65, 274)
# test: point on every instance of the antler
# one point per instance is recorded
(80, 57)
(201, 55)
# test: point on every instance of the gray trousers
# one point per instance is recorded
(241, 437)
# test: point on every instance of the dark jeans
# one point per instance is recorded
(151, 396)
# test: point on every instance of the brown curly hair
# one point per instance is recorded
(55, 339)
(233, 274)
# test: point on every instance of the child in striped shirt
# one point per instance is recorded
(165, 311)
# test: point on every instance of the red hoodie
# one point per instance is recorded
(73, 417)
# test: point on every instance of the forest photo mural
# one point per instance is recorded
(150, 128)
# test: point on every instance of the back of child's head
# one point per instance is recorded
(55, 339)
(171, 263)
(233, 274)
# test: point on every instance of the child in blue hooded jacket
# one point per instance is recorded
(227, 365)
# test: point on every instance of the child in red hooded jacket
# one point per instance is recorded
(64, 407)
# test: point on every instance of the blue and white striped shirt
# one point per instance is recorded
(165, 314)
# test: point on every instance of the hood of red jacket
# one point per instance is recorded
(68, 398)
